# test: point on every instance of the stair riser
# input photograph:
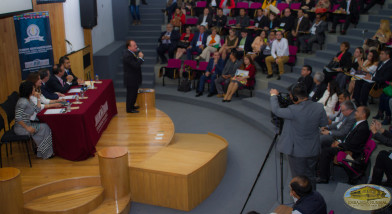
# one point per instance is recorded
(262, 95)
(385, 12)
(280, 88)
(135, 28)
(358, 33)
(368, 25)
(289, 78)
(148, 21)
(145, 40)
(378, 18)
(316, 65)
(336, 47)
(255, 107)
(353, 42)
(325, 55)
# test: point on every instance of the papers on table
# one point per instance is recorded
(241, 73)
(55, 111)
(74, 90)
(69, 97)
(358, 76)
(329, 70)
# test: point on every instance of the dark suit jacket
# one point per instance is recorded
(174, 37)
(263, 22)
(345, 127)
(48, 94)
(218, 68)
(319, 91)
(196, 38)
(356, 139)
(384, 73)
(345, 61)
(208, 20)
(275, 24)
(304, 25)
(220, 21)
(75, 78)
(248, 43)
(307, 81)
(54, 85)
(354, 12)
(288, 23)
(320, 31)
(243, 21)
(132, 69)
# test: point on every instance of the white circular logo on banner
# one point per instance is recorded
(33, 33)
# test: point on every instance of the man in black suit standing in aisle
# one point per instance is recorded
(132, 62)
(354, 143)
(64, 60)
(348, 11)
(168, 42)
(56, 82)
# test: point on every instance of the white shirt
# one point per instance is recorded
(43, 100)
(217, 40)
(348, 7)
(280, 48)
(330, 107)
(204, 22)
(313, 28)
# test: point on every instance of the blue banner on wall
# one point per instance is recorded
(34, 42)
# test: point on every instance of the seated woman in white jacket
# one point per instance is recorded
(330, 98)
(213, 44)
(37, 96)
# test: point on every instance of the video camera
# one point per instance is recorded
(284, 101)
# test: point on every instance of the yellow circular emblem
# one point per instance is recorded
(367, 197)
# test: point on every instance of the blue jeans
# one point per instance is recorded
(202, 81)
(135, 12)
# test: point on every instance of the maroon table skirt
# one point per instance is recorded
(76, 133)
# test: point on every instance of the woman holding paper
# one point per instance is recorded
(258, 42)
(45, 103)
(239, 81)
(25, 112)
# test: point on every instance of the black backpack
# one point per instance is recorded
(185, 84)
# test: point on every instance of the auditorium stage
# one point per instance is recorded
(165, 169)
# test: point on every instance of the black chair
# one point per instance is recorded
(10, 136)
(9, 108)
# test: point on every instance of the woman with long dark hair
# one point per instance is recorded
(330, 97)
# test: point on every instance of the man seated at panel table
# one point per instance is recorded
(67, 67)
(56, 82)
(45, 76)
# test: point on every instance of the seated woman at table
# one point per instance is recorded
(258, 42)
(230, 43)
(240, 81)
(25, 112)
(45, 103)
(382, 36)
(367, 66)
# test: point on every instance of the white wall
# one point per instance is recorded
(103, 33)
(73, 28)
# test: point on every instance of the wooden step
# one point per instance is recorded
(121, 206)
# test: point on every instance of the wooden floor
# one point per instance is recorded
(143, 134)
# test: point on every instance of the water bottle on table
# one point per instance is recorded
(96, 77)
(68, 106)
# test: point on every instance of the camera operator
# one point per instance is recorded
(300, 139)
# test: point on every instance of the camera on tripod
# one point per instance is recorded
(284, 101)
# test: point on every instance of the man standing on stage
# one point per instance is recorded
(300, 139)
(132, 74)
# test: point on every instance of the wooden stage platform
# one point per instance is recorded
(165, 169)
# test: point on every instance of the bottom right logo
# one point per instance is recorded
(367, 197)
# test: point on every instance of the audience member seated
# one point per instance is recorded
(382, 36)
(354, 143)
(45, 76)
(244, 44)
(213, 44)
(239, 81)
(286, 23)
(382, 74)
(322, 6)
(230, 43)
(25, 112)
(348, 11)
(168, 41)
(178, 19)
(219, 21)
(319, 87)
(338, 130)
(330, 98)
(306, 78)
(56, 82)
(341, 62)
(342, 77)
(261, 21)
(68, 71)
(301, 27)
(258, 42)
(214, 68)
(198, 42)
(383, 161)
(306, 200)
(227, 5)
(265, 51)
(308, 4)
(171, 6)
(273, 22)
(338, 116)
(185, 41)
(205, 19)
(187, 6)
(242, 20)
(228, 72)
(316, 35)
(279, 54)
(38, 96)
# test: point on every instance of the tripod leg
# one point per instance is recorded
(281, 178)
